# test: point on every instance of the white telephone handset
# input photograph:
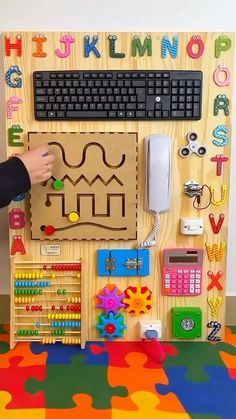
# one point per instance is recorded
(158, 180)
(158, 168)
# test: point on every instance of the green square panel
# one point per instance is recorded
(187, 322)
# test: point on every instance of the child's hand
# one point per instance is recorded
(38, 163)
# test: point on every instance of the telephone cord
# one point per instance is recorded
(151, 240)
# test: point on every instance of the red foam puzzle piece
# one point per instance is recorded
(118, 350)
(12, 380)
(232, 373)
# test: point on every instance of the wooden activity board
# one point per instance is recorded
(114, 192)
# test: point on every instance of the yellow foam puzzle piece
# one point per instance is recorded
(6, 397)
(147, 404)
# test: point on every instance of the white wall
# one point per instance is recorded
(120, 15)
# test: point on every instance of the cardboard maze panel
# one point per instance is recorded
(92, 193)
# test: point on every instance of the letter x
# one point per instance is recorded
(215, 280)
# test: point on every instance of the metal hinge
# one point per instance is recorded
(110, 264)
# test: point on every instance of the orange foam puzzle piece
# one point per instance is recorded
(138, 378)
(147, 407)
(229, 336)
(83, 410)
(22, 349)
(229, 359)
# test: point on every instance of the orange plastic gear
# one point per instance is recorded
(138, 300)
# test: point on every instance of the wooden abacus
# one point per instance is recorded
(55, 291)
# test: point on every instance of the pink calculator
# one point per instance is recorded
(182, 272)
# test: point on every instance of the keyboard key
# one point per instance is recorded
(140, 106)
(196, 110)
(112, 114)
(140, 114)
(41, 91)
(40, 106)
(88, 114)
(138, 83)
(177, 114)
(41, 114)
(52, 114)
(121, 114)
(61, 114)
(130, 114)
(42, 99)
(165, 114)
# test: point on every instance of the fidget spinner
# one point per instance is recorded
(192, 147)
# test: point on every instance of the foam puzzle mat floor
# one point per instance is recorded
(117, 380)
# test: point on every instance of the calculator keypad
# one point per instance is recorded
(184, 282)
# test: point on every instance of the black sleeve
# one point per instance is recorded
(14, 180)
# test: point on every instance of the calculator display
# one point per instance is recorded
(183, 259)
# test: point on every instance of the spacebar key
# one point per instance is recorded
(86, 114)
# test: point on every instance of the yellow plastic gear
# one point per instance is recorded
(137, 302)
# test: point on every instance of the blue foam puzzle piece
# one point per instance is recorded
(216, 396)
(62, 354)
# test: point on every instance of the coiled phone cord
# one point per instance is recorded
(151, 240)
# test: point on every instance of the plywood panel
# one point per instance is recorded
(103, 195)
(200, 169)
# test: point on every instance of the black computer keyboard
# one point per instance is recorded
(124, 95)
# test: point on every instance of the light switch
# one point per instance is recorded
(191, 227)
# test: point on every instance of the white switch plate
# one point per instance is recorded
(150, 325)
(191, 226)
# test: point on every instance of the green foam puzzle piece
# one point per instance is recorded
(2, 330)
(197, 355)
(4, 347)
(65, 380)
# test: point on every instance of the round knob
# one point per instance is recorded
(73, 217)
(58, 184)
